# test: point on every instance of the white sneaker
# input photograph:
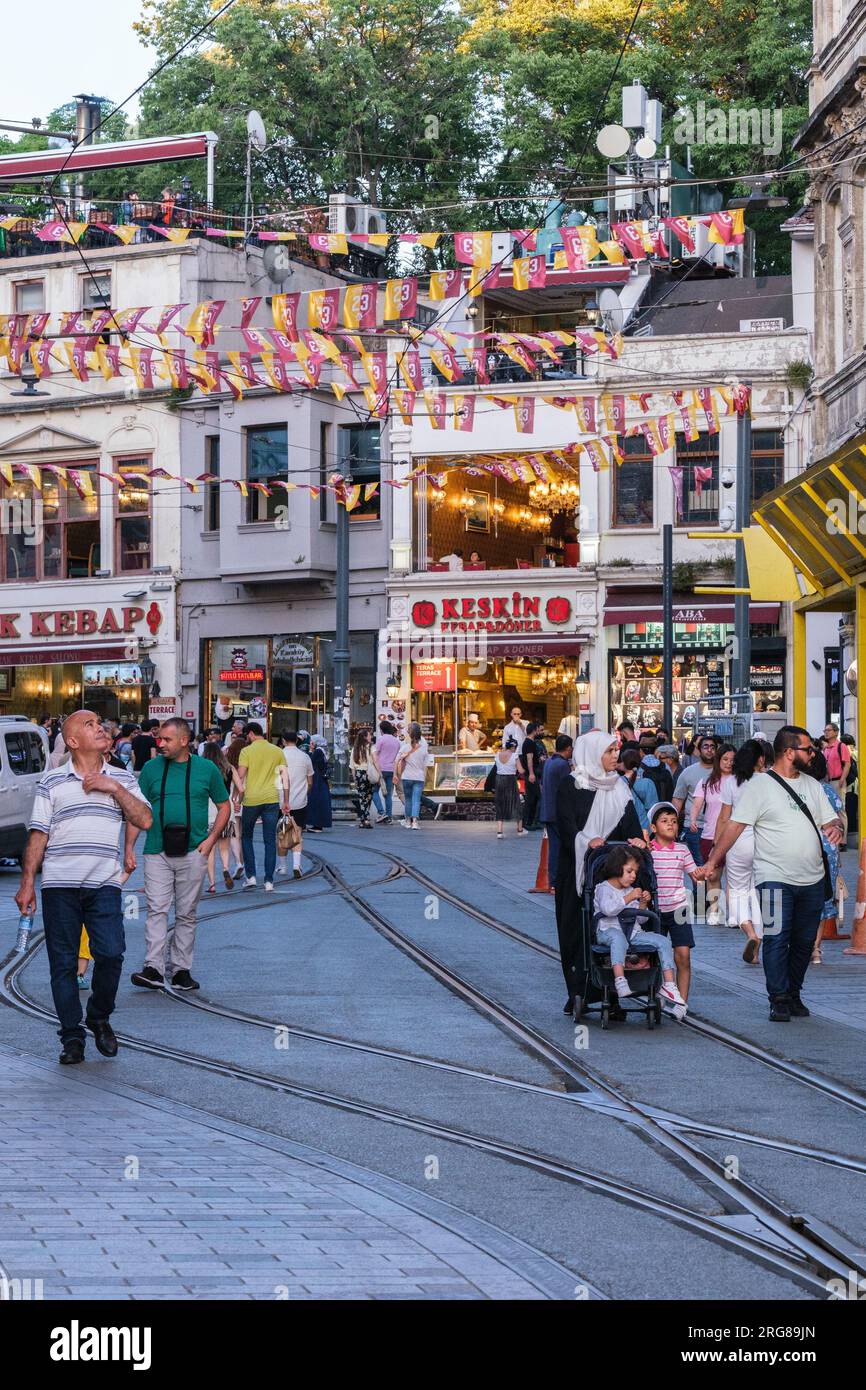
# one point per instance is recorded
(670, 995)
(714, 917)
(249, 883)
(406, 824)
(269, 887)
(622, 987)
(281, 869)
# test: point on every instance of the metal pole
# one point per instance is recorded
(341, 651)
(668, 622)
(741, 661)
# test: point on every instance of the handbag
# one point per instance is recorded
(373, 774)
(288, 835)
(490, 780)
(828, 882)
(175, 838)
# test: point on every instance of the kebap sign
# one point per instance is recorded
(515, 612)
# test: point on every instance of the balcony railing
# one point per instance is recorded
(572, 365)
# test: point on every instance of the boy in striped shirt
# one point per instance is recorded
(671, 859)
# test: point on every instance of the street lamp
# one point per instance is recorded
(394, 684)
(148, 671)
(29, 378)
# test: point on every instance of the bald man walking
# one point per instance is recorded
(75, 836)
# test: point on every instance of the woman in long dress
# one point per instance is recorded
(319, 798)
(830, 910)
(593, 806)
(507, 799)
(743, 905)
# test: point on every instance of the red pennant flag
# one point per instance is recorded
(324, 309)
(586, 413)
(659, 245)
(359, 307)
(409, 364)
(284, 345)
(464, 412)
(256, 339)
(348, 367)
(682, 230)
(477, 359)
(74, 322)
(524, 414)
(527, 237)
(40, 356)
(376, 367)
(702, 475)
(248, 309)
(401, 298)
(169, 312)
(574, 255)
(629, 235)
(284, 308)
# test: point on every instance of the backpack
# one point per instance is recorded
(662, 779)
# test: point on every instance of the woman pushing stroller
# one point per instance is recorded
(620, 927)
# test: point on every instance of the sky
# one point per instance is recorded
(61, 47)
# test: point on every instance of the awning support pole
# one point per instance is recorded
(860, 653)
(799, 664)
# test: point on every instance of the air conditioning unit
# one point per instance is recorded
(351, 217)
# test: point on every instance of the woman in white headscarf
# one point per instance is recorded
(593, 805)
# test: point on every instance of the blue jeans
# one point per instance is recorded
(791, 914)
(552, 851)
(614, 938)
(412, 792)
(270, 814)
(388, 784)
(692, 838)
(64, 912)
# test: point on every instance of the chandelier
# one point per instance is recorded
(561, 495)
(557, 676)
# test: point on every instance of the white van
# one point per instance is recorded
(23, 759)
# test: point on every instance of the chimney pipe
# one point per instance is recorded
(88, 111)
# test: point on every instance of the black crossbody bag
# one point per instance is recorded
(175, 838)
(829, 889)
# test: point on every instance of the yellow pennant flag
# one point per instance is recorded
(34, 474)
(351, 497)
(338, 244)
(370, 490)
(429, 239)
(6, 470)
(442, 363)
(613, 251)
(378, 239)
(7, 223)
(338, 389)
(520, 273)
(560, 260)
(589, 241)
(124, 232)
(441, 281)
(175, 234)
(359, 303)
(206, 380)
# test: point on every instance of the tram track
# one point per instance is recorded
(817, 1081)
(792, 1254)
(800, 1248)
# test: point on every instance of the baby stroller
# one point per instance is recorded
(642, 967)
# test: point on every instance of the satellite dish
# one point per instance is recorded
(611, 310)
(256, 130)
(646, 147)
(613, 141)
(277, 263)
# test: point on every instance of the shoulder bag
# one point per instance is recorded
(801, 805)
(175, 838)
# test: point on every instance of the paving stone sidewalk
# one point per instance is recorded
(107, 1193)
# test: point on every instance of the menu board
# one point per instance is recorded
(716, 687)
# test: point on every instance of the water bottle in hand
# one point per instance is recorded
(25, 927)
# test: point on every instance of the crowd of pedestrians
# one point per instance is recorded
(748, 837)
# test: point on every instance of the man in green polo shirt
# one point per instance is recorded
(179, 786)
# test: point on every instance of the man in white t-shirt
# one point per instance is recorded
(300, 769)
(789, 864)
(516, 729)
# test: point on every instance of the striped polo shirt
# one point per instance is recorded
(84, 829)
(670, 863)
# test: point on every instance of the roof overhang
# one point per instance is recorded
(818, 519)
(36, 164)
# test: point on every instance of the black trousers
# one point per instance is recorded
(531, 799)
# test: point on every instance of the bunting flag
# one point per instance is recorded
(409, 367)
(524, 414)
(628, 233)
(596, 454)
(474, 248)
(223, 231)
(6, 471)
(248, 309)
(401, 299)
(334, 243)
(477, 359)
(284, 308)
(667, 427)
(613, 408)
(573, 244)
(435, 403)
(40, 356)
(178, 372)
(530, 273)
(445, 284)
(705, 400)
(175, 234)
(125, 233)
(445, 361)
(676, 472)
(360, 307)
(202, 325)
(613, 252)
(702, 475)
(464, 412)
(377, 401)
(323, 309)
(405, 402)
(727, 228)
(682, 230)
(169, 312)
(589, 242)
(585, 411)
(376, 366)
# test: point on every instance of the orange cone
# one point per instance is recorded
(858, 945)
(542, 882)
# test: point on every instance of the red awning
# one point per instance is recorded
(111, 155)
(51, 656)
(689, 608)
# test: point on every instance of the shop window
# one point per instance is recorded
(212, 490)
(633, 485)
(66, 546)
(30, 296)
(359, 454)
(768, 462)
(132, 515)
(267, 463)
(700, 490)
(25, 753)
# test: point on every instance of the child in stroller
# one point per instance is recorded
(620, 923)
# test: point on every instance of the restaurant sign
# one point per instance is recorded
(510, 612)
(434, 675)
(77, 622)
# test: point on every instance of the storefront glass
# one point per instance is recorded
(111, 689)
